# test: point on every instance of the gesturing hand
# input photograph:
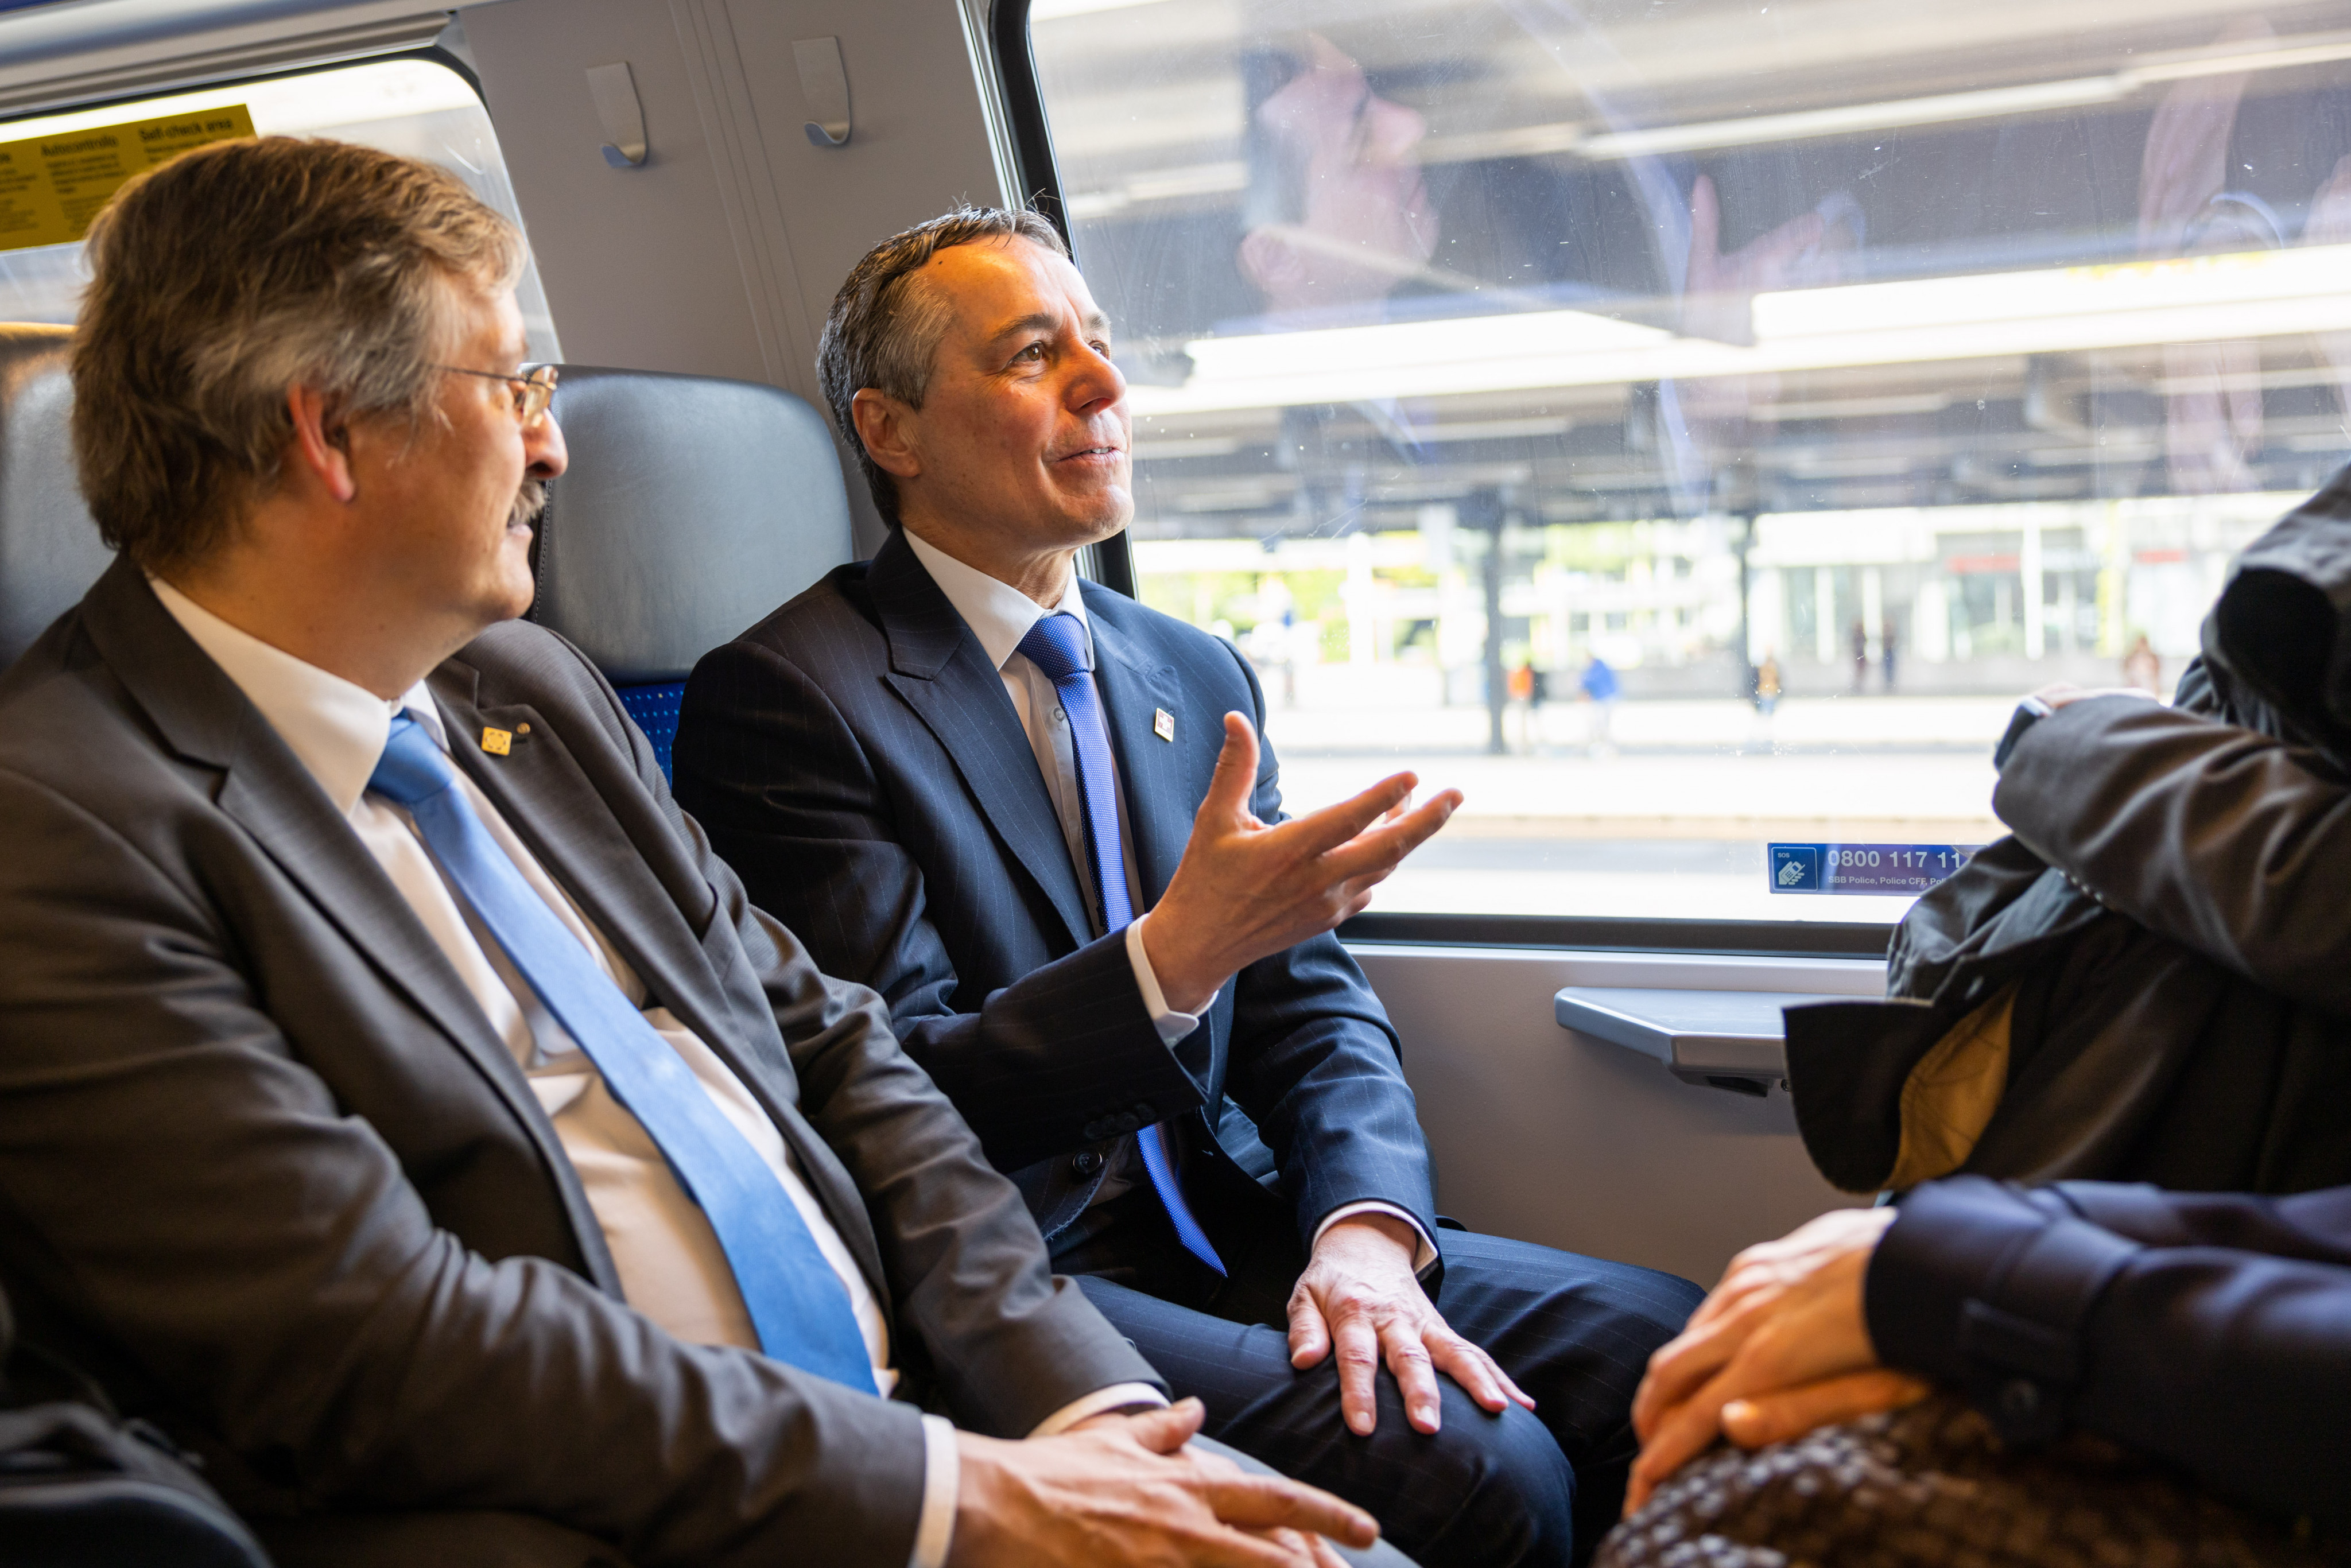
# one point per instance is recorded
(1245, 890)
(1779, 1348)
(1125, 1491)
(1359, 1293)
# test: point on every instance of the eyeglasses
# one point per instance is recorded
(532, 392)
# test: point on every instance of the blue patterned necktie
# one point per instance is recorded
(796, 1302)
(1057, 645)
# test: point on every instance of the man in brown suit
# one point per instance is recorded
(358, 975)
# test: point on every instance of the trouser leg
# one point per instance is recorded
(1382, 1553)
(1484, 1492)
(1576, 1333)
(455, 1538)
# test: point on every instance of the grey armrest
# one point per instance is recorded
(1724, 1039)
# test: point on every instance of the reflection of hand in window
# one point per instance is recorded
(2186, 162)
(1340, 213)
(2212, 403)
(2330, 223)
(1719, 290)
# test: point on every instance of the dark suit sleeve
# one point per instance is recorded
(2226, 840)
(1317, 1065)
(1061, 1058)
(2211, 1331)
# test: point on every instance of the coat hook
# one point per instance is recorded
(623, 117)
(827, 87)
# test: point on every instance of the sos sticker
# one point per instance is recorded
(1864, 868)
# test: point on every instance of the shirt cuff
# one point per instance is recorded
(1424, 1255)
(1117, 1397)
(1172, 1025)
(941, 1475)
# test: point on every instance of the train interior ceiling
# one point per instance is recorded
(1687, 426)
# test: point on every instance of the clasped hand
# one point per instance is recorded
(1358, 1294)
(1780, 1347)
(1246, 889)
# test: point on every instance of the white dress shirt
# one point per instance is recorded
(999, 616)
(670, 1265)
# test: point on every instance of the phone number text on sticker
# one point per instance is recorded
(1864, 868)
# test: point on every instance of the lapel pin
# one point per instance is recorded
(1163, 723)
(496, 742)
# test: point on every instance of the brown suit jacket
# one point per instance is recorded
(264, 1164)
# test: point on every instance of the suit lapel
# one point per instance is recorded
(539, 790)
(937, 666)
(539, 783)
(273, 798)
(1164, 777)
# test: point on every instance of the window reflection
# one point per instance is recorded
(1814, 377)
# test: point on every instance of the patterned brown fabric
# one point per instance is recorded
(1931, 1487)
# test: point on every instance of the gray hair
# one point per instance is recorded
(235, 271)
(884, 330)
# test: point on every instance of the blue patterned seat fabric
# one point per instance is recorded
(655, 710)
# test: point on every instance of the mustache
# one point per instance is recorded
(528, 503)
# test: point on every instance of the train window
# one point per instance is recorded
(56, 170)
(1688, 425)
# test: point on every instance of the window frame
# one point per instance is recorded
(435, 53)
(1112, 562)
(431, 54)
(1113, 566)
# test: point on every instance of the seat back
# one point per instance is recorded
(691, 508)
(49, 548)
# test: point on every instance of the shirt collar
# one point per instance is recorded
(998, 615)
(336, 729)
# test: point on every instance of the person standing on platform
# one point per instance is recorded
(1601, 689)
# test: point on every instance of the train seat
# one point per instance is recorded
(49, 550)
(691, 508)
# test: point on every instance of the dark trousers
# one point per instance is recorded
(1537, 1488)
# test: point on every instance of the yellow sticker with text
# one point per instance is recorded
(51, 186)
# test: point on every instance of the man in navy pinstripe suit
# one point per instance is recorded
(1041, 820)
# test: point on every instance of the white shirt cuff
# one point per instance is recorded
(941, 1475)
(1423, 1255)
(1172, 1025)
(1117, 1397)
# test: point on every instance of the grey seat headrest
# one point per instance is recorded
(691, 509)
(49, 548)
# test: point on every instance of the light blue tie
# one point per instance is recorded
(1057, 645)
(796, 1302)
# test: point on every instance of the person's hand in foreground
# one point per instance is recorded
(1359, 1295)
(2058, 695)
(1780, 1347)
(1123, 1490)
(1246, 890)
